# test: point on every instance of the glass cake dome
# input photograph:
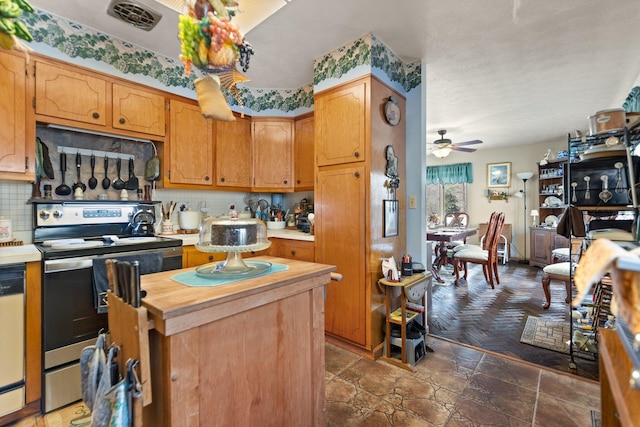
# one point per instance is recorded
(233, 236)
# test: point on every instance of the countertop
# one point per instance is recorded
(192, 239)
(17, 254)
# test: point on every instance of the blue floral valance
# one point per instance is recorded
(632, 103)
(450, 174)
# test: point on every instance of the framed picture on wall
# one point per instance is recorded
(390, 218)
(499, 175)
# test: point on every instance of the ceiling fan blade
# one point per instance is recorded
(475, 141)
(466, 150)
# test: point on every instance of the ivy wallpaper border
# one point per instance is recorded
(77, 41)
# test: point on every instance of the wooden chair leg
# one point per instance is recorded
(546, 280)
(495, 271)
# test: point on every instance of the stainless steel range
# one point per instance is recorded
(75, 238)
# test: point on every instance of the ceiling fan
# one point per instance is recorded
(444, 146)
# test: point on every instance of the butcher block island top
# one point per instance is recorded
(249, 352)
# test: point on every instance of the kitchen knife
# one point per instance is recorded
(135, 280)
(124, 279)
(112, 277)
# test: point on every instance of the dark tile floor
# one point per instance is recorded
(454, 385)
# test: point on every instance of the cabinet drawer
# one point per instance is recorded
(293, 249)
(191, 257)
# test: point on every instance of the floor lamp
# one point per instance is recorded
(524, 176)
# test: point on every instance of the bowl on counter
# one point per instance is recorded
(189, 220)
(276, 225)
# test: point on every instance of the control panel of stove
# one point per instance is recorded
(62, 214)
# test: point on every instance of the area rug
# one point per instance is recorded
(447, 275)
(546, 334)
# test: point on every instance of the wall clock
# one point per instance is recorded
(392, 111)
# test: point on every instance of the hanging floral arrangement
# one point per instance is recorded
(213, 44)
(11, 28)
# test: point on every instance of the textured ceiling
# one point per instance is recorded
(505, 72)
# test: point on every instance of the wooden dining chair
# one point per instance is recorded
(456, 219)
(486, 256)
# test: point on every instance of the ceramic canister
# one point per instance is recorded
(5, 230)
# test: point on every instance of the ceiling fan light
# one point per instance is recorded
(441, 152)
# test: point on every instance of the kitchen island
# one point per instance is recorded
(249, 352)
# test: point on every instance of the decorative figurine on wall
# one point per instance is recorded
(392, 169)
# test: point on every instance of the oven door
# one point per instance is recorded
(71, 321)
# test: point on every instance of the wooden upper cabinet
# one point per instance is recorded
(137, 110)
(67, 94)
(272, 142)
(304, 150)
(342, 124)
(13, 115)
(190, 146)
(233, 153)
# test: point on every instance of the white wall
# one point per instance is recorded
(523, 159)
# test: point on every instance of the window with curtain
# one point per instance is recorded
(446, 189)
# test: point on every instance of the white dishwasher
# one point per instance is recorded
(12, 337)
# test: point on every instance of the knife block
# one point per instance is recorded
(129, 328)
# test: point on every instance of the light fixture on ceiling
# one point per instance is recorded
(441, 152)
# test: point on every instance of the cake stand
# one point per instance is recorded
(233, 236)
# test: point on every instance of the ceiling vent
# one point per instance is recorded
(136, 14)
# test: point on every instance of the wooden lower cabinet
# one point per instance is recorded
(191, 257)
(342, 243)
(543, 241)
(292, 249)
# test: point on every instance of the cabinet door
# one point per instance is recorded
(292, 249)
(272, 146)
(190, 145)
(137, 110)
(559, 241)
(540, 247)
(233, 153)
(340, 226)
(304, 151)
(342, 125)
(13, 107)
(67, 94)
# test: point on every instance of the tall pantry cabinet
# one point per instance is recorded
(351, 136)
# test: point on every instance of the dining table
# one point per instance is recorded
(442, 236)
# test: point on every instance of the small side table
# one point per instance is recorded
(406, 284)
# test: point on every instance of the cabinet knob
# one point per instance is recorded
(357, 174)
(122, 120)
(293, 253)
(222, 179)
(298, 182)
(206, 178)
(210, 257)
(356, 154)
(285, 182)
(96, 115)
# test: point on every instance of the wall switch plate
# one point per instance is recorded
(412, 202)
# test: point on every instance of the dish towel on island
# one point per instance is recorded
(190, 278)
(149, 263)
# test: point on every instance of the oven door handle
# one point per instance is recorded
(53, 266)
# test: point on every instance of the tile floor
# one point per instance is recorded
(454, 386)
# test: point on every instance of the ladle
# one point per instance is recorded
(605, 195)
(93, 182)
(63, 189)
(574, 199)
(106, 182)
(118, 184)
